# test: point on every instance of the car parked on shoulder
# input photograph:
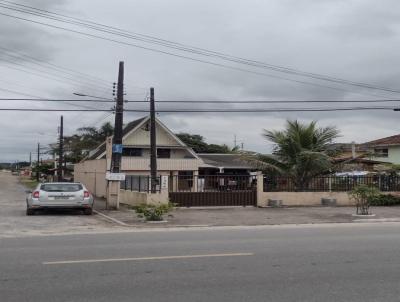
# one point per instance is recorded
(59, 195)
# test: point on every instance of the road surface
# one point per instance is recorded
(282, 263)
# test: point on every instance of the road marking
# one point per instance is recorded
(147, 258)
(110, 218)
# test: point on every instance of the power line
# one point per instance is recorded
(179, 46)
(51, 76)
(244, 110)
(199, 60)
(58, 68)
(204, 101)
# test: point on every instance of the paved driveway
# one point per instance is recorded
(14, 222)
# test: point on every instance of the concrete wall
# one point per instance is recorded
(304, 198)
(134, 198)
(92, 173)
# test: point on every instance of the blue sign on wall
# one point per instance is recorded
(117, 148)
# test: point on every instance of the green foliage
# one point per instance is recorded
(198, 144)
(87, 138)
(385, 200)
(363, 195)
(153, 212)
(300, 152)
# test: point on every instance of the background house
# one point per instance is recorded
(385, 149)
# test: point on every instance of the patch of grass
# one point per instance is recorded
(153, 212)
(28, 183)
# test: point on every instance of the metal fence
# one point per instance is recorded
(139, 183)
(212, 183)
(384, 183)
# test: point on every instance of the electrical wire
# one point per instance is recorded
(244, 110)
(179, 46)
(204, 61)
(205, 101)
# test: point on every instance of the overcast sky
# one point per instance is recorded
(354, 40)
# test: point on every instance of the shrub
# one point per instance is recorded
(363, 195)
(153, 212)
(385, 200)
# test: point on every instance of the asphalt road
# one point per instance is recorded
(296, 263)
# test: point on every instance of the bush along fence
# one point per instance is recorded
(384, 183)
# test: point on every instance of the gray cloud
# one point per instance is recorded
(355, 40)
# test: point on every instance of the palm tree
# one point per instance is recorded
(299, 152)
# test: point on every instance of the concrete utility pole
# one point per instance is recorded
(153, 144)
(113, 186)
(38, 162)
(61, 150)
(119, 110)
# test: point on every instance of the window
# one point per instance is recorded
(381, 152)
(132, 152)
(54, 187)
(164, 153)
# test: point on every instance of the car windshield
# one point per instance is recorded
(61, 187)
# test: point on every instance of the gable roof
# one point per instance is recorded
(133, 126)
(386, 141)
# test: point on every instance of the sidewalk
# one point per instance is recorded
(250, 216)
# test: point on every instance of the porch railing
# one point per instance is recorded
(139, 183)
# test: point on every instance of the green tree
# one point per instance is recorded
(198, 144)
(78, 145)
(300, 151)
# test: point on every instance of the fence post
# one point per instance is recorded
(330, 183)
(260, 188)
(380, 182)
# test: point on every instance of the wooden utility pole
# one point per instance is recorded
(119, 110)
(153, 144)
(38, 162)
(61, 151)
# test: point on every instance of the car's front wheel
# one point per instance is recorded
(29, 212)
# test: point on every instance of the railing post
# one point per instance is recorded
(260, 189)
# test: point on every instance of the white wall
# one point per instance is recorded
(92, 173)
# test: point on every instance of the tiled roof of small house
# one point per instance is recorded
(386, 141)
(227, 161)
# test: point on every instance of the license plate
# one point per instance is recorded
(60, 197)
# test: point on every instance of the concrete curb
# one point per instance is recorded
(112, 219)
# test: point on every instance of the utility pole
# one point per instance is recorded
(119, 110)
(153, 143)
(30, 159)
(234, 141)
(61, 151)
(37, 163)
(113, 186)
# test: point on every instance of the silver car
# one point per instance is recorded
(58, 195)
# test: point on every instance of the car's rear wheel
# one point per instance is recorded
(30, 212)
(88, 211)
